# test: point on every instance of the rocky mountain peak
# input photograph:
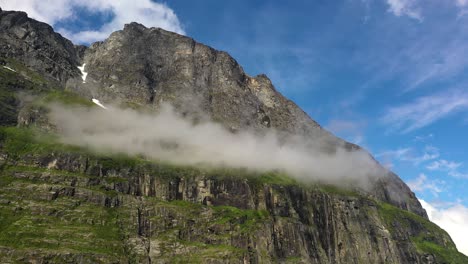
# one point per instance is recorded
(36, 45)
(134, 26)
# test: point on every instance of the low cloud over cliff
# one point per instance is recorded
(169, 137)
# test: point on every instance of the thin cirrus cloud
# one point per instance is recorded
(424, 111)
(462, 3)
(443, 165)
(409, 155)
(405, 7)
(433, 52)
(147, 12)
(421, 183)
(350, 130)
(412, 8)
(451, 167)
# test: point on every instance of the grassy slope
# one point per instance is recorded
(430, 240)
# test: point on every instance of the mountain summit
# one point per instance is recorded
(62, 203)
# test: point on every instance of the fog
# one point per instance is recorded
(167, 136)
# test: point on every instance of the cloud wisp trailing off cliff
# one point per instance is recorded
(167, 136)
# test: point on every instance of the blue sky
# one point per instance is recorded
(390, 75)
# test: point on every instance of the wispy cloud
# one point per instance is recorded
(451, 167)
(396, 154)
(147, 12)
(423, 138)
(405, 8)
(462, 3)
(350, 130)
(409, 155)
(425, 111)
(443, 165)
(422, 183)
(458, 174)
(414, 56)
(428, 159)
(435, 58)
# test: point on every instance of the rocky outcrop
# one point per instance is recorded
(36, 45)
(149, 66)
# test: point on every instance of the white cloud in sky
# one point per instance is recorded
(405, 7)
(429, 157)
(462, 3)
(458, 174)
(387, 157)
(453, 219)
(146, 12)
(424, 111)
(423, 138)
(421, 183)
(398, 153)
(451, 167)
(430, 153)
(350, 130)
(49, 11)
(417, 54)
(443, 165)
(410, 155)
(442, 59)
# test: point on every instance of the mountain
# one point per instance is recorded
(63, 203)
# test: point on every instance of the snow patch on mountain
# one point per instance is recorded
(8, 68)
(83, 73)
(96, 101)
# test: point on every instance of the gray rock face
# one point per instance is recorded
(148, 66)
(36, 45)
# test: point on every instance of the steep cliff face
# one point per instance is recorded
(65, 204)
(37, 46)
(62, 204)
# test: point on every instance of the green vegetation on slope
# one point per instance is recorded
(34, 79)
(66, 98)
(35, 92)
(38, 212)
(19, 142)
(34, 217)
(427, 237)
(246, 219)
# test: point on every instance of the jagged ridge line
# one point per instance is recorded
(47, 57)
